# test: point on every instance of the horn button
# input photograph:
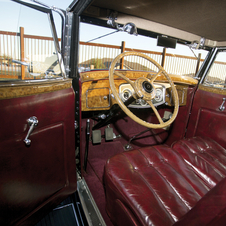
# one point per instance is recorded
(147, 86)
(144, 89)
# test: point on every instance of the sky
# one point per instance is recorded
(87, 32)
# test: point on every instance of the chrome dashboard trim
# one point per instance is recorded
(126, 86)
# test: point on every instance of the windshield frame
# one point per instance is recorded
(49, 12)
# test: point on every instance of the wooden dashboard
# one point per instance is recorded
(96, 93)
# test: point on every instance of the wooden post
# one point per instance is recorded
(198, 63)
(163, 57)
(122, 51)
(22, 52)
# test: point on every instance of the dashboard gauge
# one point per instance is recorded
(126, 91)
(158, 95)
(125, 95)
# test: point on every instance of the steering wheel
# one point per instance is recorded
(143, 88)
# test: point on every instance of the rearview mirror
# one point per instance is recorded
(166, 42)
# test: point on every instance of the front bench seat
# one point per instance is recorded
(160, 185)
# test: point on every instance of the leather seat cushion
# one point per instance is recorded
(158, 185)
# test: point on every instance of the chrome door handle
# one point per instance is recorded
(222, 107)
(32, 122)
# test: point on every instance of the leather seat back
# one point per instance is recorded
(161, 185)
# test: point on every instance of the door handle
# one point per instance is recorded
(222, 107)
(32, 122)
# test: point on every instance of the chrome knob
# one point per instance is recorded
(32, 122)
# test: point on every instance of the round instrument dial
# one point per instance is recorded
(126, 93)
(158, 95)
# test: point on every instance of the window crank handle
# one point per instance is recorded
(32, 122)
(222, 107)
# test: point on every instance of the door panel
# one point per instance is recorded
(33, 176)
(206, 118)
(178, 128)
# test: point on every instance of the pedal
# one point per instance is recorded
(108, 134)
(96, 136)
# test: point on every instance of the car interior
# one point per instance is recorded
(122, 145)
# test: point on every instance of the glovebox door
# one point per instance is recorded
(42, 173)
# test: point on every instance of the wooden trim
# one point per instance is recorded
(96, 75)
(212, 89)
(95, 98)
(9, 91)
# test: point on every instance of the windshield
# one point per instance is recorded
(100, 45)
(216, 76)
(27, 50)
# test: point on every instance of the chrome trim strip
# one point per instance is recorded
(90, 208)
(57, 46)
(32, 82)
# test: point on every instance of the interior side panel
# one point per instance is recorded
(206, 118)
(34, 175)
(178, 128)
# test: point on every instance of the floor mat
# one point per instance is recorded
(99, 154)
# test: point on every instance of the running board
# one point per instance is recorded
(90, 208)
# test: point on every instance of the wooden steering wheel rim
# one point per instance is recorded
(126, 110)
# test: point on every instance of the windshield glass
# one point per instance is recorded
(216, 76)
(27, 49)
(100, 45)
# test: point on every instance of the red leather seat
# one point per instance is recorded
(160, 185)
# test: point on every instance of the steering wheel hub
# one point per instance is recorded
(144, 89)
(147, 86)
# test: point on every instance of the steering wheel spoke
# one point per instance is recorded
(155, 76)
(125, 78)
(155, 111)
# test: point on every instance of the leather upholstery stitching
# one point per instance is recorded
(200, 174)
(165, 179)
(179, 172)
(201, 157)
(123, 195)
(215, 156)
(153, 192)
(174, 189)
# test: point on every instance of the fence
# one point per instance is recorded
(91, 55)
(25, 48)
(97, 56)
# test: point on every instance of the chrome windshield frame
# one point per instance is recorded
(49, 12)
